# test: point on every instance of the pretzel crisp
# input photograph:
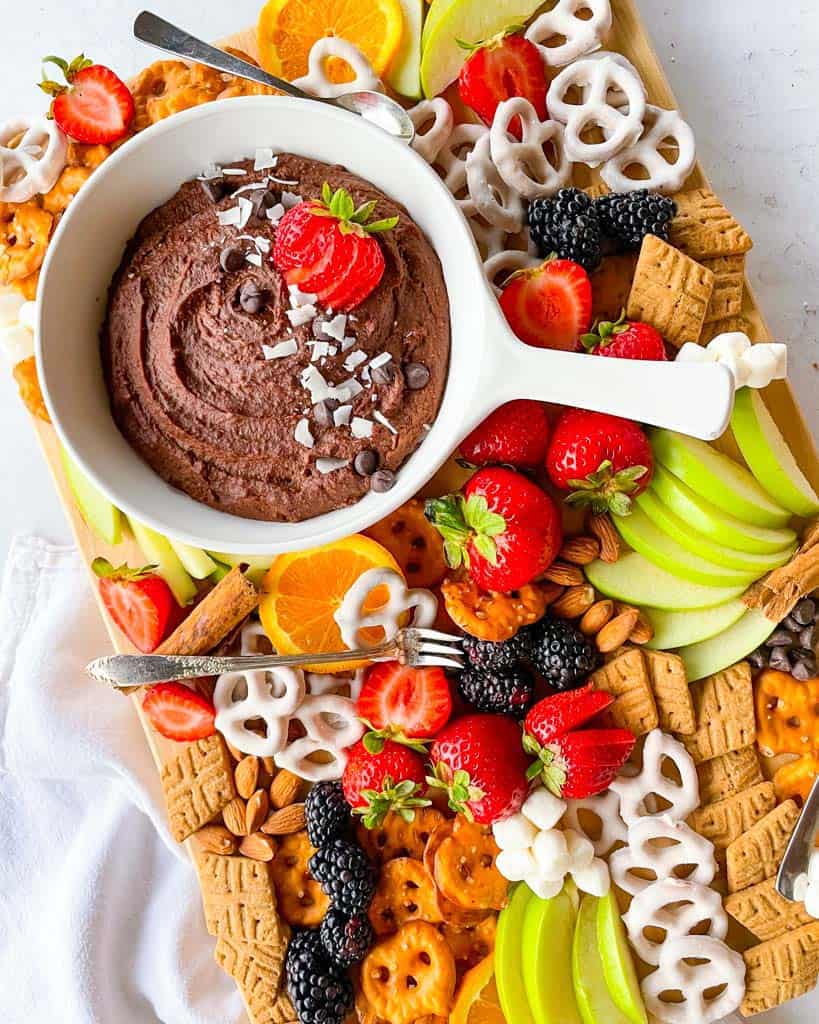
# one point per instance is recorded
(398, 838)
(405, 893)
(414, 543)
(491, 616)
(470, 943)
(24, 233)
(168, 86)
(299, 897)
(68, 185)
(465, 871)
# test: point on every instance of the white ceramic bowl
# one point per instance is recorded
(488, 365)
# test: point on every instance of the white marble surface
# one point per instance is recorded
(746, 75)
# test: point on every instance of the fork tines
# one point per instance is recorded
(421, 648)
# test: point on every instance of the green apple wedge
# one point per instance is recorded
(634, 579)
(716, 477)
(594, 1001)
(257, 565)
(158, 551)
(103, 518)
(618, 966)
(196, 562)
(464, 21)
(679, 629)
(640, 533)
(698, 544)
(509, 959)
(765, 450)
(548, 930)
(726, 648)
(434, 12)
(404, 73)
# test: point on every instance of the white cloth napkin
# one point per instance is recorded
(100, 914)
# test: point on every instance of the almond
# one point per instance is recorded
(246, 776)
(550, 592)
(580, 550)
(643, 631)
(256, 811)
(605, 531)
(285, 821)
(217, 839)
(596, 617)
(615, 633)
(269, 766)
(284, 789)
(234, 816)
(258, 847)
(235, 753)
(575, 602)
(564, 574)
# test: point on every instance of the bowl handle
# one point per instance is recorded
(691, 398)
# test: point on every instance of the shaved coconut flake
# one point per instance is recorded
(256, 186)
(265, 160)
(361, 427)
(325, 466)
(385, 357)
(321, 349)
(233, 170)
(300, 298)
(284, 181)
(231, 216)
(210, 172)
(346, 391)
(290, 199)
(281, 349)
(347, 343)
(254, 258)
(275, 213)
(341, 417)
(336, 327)
(302, 434)
(382, 419)
(245, 210)
(316, 384)
(302, 315)
(355, 359)
(262, 243)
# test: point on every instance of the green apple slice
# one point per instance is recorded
(469, 21)
(434, 12)
(765, 450)
(634, 579)
(509, 957)
(717, 525)
(158, 551)
(698, 544)
(726, 648)
(103, 518)
(197, 562)
(257, 565)
(716, 477)
(640, 533)
(594, 1001)
(618, 966)
(548, 930)
(404, 74)
(679, 629)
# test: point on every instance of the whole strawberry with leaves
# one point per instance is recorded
(382, 777)
(603, 461)
(625, 339)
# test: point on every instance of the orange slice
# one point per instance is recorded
(477, 1000)
(287, 30)
(302, 591)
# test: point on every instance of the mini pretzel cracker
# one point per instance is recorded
(299, 896)
(453, 913)
(28, 384)
(318, 81)
(464, 869)
(786, 713)
(405, 892)
(24, 234)
(168, 86)
(537, 165)
(794, 780)
(32, 156)
(236, 86)
(396, 837)
(493, 616)
(470, 943)
(86, 155)
(649, 154)
(492, 198)
(433, 121)
(708, 974)
(409, 975)
(352, 619)
(571, 35)
(413, 542)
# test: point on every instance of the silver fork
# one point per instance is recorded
(418, 648)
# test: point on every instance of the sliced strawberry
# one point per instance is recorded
(358, 278)
(95, 106)
(140, 602)
(516, 433)
(318, 275)
(179, 713)
(302, 240)
(549, 306)
(581, 763)
(559, 714)
(508, 65)
(403, 703)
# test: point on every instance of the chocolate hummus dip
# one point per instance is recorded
(247, 394)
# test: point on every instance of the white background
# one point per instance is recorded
(746, 74)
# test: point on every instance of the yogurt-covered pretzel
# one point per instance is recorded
(674, 906)
(580, 35)
(499, 266)
(270, 696)
(621, 125)
(491, 239)
(434, 121)
(636, 793)
(331, 726)
(351, 618)
(525, 165)
(694, 965)
(451, 162)
(605, 807)
(318, 83)
(34, 163)
(661, 846)
(646, 152)
(492, 197)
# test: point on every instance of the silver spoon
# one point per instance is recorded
(798, 851)
(374, 107)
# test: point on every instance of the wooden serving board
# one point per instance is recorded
(628, 37)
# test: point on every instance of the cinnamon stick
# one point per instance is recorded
(776, 594)
(225, 607)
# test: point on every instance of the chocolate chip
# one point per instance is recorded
(384, 374)
(214, 189)
(416, 376)
(806, 637)
(780, 638)
(323, 412)
(805, 668)
(805, 611)
(790, 623)
(262, 202)
(382, 480)
(252, 298)
(231, 259)
(758, 658)
(366, 462)
(780, 660)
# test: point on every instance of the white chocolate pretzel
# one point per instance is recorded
(34, 163)
(434, 121)
(492, 197)
(499, 266)
(451, 162)
(331, 727)
(318, 83)
(647, 153)
(621, 125)
(636, 793)
(605, 807)
(269, 696)
(674, 906)
(536, 165)
(662, 847)
(580, 35)
(490, 239)
(351, 618)
(694, 965)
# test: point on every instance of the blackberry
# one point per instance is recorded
(560, 653)
(327, 813)
(345, 874)
(346, 939)
(630, 216)
(320, 991)
(505, 691)
(487, 654)
(567, 225)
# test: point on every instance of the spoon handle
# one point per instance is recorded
(155, 31)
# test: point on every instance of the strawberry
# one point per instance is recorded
(503, 528)
(517, 433)
(139, 602)
(328, 247)
(574, 763)
(388, 780)
(550, 305)
(479, 762)
(94, 106)
(625, 339)
(506, 65)
(403, 704)
(179, 713)
(603, 460)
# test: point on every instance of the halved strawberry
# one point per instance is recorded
(95, 106)
(179, 713)
(549, 306)
(139, 602)
(505, 66)
(303, 240)
(554, 716)
(402, 703)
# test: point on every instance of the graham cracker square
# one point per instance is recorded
(626, 679)
(724, 712)
(669, 683)
(257, 970)
(781, 969)
(726, 820)
(729, 285)
(728, 774)
(240, 901)
(756, 854)
(765, 913)
(198, 783)
(729, 325)
(703, 228)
